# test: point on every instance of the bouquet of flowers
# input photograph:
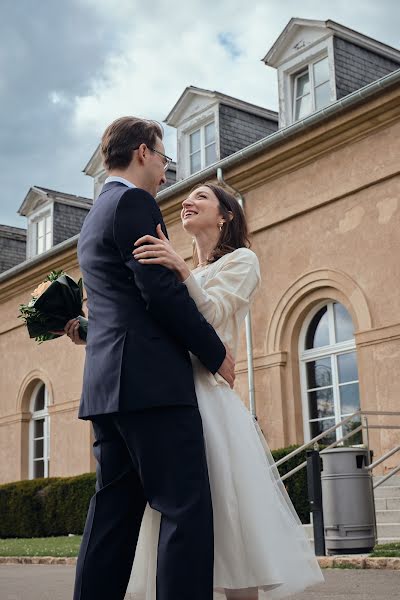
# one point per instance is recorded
(54, 302)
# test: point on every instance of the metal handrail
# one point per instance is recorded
(348, 435)
(383, 458)
(303, 464)
(315, 439)
(388, 476)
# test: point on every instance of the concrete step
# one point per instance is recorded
(387, 491)
(387, 504)
(387, 516)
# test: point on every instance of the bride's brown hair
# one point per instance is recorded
(234, 232)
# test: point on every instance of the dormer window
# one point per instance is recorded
(202, 147)
(43, 234)
(311, 89)
(211, 125)
(53, 217)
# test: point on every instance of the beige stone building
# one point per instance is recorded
(321, 189)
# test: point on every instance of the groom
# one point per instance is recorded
(138, 387)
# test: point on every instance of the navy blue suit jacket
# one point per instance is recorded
(142, 321)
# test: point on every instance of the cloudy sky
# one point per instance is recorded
(69, 67)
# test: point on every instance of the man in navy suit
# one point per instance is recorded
(138, 387)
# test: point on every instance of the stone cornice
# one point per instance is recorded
(34, 271)
(378, 335)
(266, 361)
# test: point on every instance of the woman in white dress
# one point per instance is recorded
(260, 549)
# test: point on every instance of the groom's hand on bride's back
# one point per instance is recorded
(227, 369)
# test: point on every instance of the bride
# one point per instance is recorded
(260, 549)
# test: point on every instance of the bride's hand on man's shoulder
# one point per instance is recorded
(152, 250)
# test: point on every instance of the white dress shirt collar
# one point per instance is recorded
(119, 180)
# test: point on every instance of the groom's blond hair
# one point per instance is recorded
(123, 136)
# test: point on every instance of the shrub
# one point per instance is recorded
(296, 485)
(58, 506)
(45, 507)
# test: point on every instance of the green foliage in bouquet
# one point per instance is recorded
(30, 314)
(54, 302)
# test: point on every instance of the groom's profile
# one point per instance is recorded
(138, 387)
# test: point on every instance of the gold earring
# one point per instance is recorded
(220, 225)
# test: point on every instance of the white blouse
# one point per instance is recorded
(223, 292)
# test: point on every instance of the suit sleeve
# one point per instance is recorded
(166, 298)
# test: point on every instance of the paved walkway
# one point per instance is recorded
(54, 582)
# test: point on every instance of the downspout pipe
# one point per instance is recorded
(249, 338)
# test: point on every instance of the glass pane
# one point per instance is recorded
(344, 329)
(48, 224)
(195, 141)
(319, 373)
(195, 162)
(209, 133)
(38, 449)
(40, 228)
(210, 154)
(303, 107)
(319, 426)
(320, 403)
(38, 428)
(40, 245)
(349, 398)
(347, 367)
(318, 331)
(40, 398)
(38, 468)
(322, 96)
(321, 71)
(350, 426)
(48, 241)
(302, 85)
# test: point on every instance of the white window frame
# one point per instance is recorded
(310, 71)
(296, 65)
(36, 415)
(34, 218)
(190, 126)
(322, 352)
(202, 129)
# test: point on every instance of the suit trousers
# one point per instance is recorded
(156, 456)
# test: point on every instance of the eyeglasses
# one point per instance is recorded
(166, 159)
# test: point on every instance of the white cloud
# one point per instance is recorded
(159, 58)
(166, 46)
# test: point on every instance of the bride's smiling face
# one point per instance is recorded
(200, 211)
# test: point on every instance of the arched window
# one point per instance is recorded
(329, 374)
(39, 433)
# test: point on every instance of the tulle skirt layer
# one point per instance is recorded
(259, 541)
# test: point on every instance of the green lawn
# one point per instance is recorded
(69, 546)
(51, 546)
(387, 550)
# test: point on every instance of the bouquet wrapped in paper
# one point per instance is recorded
(54, 302)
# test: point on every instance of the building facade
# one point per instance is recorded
(321, 187)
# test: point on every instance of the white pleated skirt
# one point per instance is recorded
(259, 541)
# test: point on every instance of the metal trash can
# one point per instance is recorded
(348, 501)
